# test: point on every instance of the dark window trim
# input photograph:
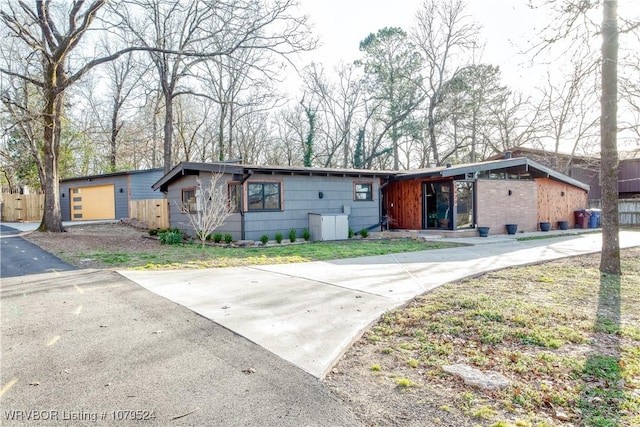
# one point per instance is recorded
(192, 208)
(247, 205)
(356, 192)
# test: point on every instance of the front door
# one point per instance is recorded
(437, 206)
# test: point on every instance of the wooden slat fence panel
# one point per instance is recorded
(22, 207)
(155, 212)
(628, 211)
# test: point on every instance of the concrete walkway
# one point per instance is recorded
(310, 313)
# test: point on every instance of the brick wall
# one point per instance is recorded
(496, 207)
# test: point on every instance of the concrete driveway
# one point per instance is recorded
(310, 313)
(89, 347)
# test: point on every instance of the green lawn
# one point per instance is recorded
(193, 256)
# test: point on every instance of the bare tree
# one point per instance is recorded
(573, 24)
(53, 33)
(213, 207)
(180, 35)
(568, 110)
(52, 42)
(339, 102)
(442, 33)
(516, 122)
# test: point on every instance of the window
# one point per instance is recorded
(189, 199)
(263, 196)
(363, 191)
(235, 196)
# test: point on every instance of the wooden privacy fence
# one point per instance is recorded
(22, 207)
(628, 211)
(155, 212)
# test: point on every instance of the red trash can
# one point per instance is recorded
(582, 218)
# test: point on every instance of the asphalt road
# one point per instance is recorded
(19, 257)
(89, 347)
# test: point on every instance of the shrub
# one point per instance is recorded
(228, 238)
(292, 235)
(264, 239)
(170, 237)
(199, 234)
(217, 238)
(351, 233)
(364, 233)
(279, 237)
(153, 232)
(306, 235)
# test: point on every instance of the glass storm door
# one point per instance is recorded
(464, 204)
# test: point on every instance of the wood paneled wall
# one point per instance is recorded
(557, 201)
(403, 204)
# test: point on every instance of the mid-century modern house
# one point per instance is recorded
(106, 196)
(272, 199)
(488, 194)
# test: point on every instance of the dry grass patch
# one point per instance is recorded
(567, 338)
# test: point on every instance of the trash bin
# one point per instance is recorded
(582, 218)
(594, 218)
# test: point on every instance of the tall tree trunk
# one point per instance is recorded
(230, 145)
(114, 137)
(610, 258)
(52, 217)
(394, 140)
(168, 132)
(432, 130)
(223, 116)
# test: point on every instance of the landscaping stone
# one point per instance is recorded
(476, 378)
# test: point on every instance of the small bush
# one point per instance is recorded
(153, 232)
(351, 233)
(278, 237)
(306, 235)
(264, 239)
(170, 237)
(217, 238)
(364, 233)
(293, 234)
(199, 235)
(375, 368)
(228, 238)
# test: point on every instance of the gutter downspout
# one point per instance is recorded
(380, 206)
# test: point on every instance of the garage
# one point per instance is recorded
(97, 202)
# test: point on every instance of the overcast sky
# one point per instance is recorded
(342, 24)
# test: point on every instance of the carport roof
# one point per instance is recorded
(513, 165)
